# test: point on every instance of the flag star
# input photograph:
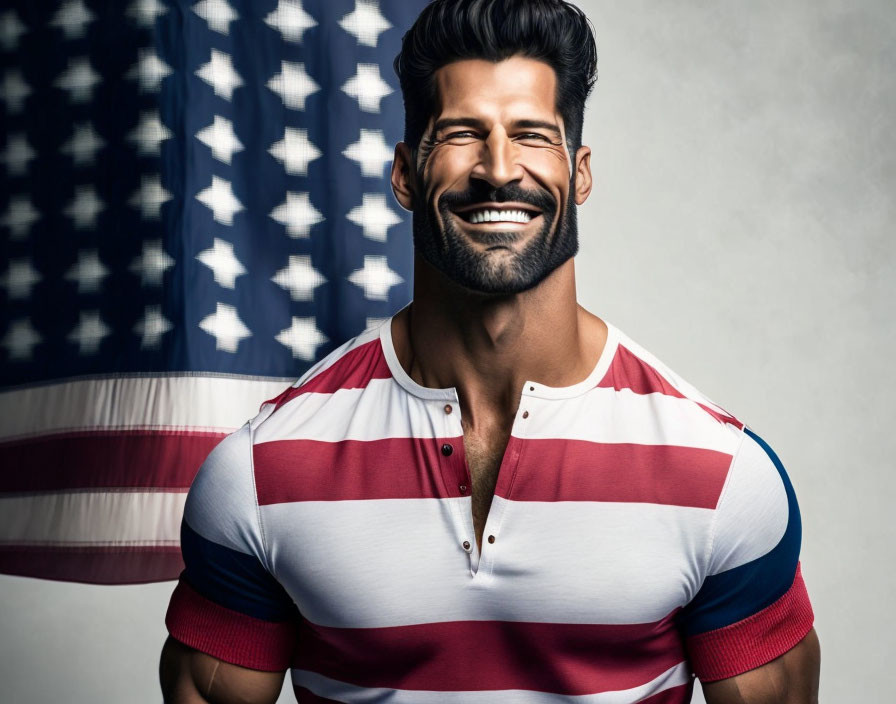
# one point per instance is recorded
(79, 80)
(367, 87)
(299, 278)
(293, 85)
(14, 91)
(303, 338)
(73, 19)
(20, 278)
(152, 263)
(223, 263)
(226, 327)
(370, 151)
(17, 155)
(365, 22)
(220, 138)
(89, 272)
(297, 214)
(295, 151)
(150, 197)
(290, 19)
(20, 215)
(220, 200)
(148, 136)
(218, 13)
(151, 327)
(149, 71)
(220, 74)
(89, 332)
(376, 278)
(146, 12)
(374, 216)
(84, 144)
(20, 339)
(11, 28)
(84, 207)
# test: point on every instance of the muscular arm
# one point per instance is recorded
(789, 679)
(191, 677)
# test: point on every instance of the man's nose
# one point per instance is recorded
(499, 163)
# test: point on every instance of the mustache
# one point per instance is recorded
(483, 193)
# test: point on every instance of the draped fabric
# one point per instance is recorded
(195, 208)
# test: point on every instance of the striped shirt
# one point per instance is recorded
(638, 535)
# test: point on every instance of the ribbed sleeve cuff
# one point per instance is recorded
(756, 640)
(228, 635)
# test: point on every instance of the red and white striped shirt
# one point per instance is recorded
(638, 534)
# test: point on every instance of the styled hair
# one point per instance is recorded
(553, 31)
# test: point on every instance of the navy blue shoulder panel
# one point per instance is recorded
(232, 579)
(733, 595)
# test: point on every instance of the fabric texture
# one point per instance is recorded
(639, 534)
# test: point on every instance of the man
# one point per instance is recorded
(494, 496)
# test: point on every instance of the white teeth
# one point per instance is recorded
(500, 216)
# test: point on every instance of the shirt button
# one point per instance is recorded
(525, 414)
(466, 545)
(531, 388)
(491, 538)
(447, 449)
(448, 408)
(463, 488)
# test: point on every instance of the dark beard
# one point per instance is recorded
(451, 253)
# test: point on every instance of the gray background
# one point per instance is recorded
(740, 229)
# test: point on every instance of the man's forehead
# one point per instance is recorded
(514, 84)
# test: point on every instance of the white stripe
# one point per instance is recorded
(92, 518)
(383, 409)
(172, 402)
(344, 692)
(396, 562)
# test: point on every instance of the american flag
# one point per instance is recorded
(194, 208)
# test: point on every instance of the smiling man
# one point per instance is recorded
(495, 496)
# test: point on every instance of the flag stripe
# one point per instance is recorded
(221, 403)
(91, 518)
(94, 565)
(99, 459)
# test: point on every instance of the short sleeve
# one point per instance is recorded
(753, 605)
(227, 604)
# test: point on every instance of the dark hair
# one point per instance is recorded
(553, 31)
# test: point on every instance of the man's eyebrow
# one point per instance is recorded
(447, 122)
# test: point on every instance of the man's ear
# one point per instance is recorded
(583, 181)
(403, 176)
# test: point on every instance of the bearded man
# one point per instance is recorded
(494, 496)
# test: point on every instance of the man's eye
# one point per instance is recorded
(528, 136)
(466, 134)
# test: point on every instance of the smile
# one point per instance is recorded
(479, 215)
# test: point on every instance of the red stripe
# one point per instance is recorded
(93, 565)
(577, 470)
(486, 655)
(548, 470)
(758, 639)
(105, 459)
(628, 371)
(392, 468)
(353, 370)
(228, 635)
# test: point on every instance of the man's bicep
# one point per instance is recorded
(189, 676)
(791, 678)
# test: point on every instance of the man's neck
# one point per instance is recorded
(487, 347)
